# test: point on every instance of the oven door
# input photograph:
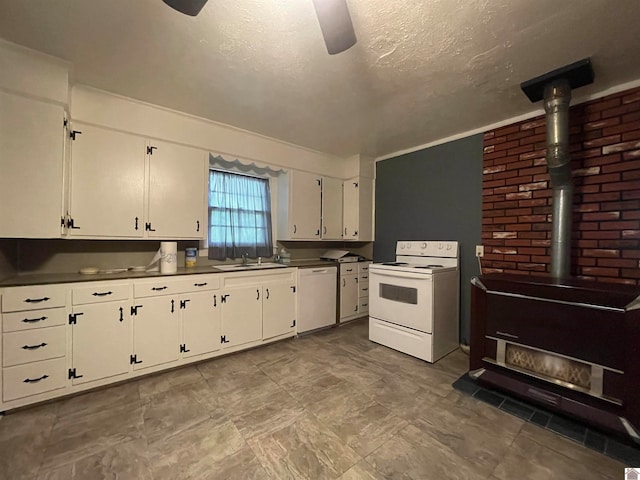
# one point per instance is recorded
(403, 298)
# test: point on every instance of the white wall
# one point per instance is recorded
(33, 73)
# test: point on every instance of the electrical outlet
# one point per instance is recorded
(479, 250)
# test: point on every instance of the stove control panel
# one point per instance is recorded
(421, 248)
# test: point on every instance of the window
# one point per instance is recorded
(239, 216)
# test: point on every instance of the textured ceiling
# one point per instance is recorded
(421, 70)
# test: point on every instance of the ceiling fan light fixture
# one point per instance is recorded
(188, 7)
(335, 23)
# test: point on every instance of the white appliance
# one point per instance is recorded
(340, 256)
(414, 301)
(317, 293)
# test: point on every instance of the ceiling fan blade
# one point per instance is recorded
(188, 7)
(335, 23)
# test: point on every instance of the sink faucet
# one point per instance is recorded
(245, 258)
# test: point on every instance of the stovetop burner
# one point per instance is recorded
(428, 266)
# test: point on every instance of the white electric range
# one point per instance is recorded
(414, 301)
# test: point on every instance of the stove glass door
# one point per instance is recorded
(403, 298)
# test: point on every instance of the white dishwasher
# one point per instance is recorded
(317, 293)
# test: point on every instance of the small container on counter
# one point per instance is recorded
(190, 255)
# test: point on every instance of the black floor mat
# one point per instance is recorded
(561, 425)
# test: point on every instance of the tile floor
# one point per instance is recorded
(327, 405)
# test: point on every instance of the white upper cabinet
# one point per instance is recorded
(124, 186)
(331, 208)
(305, 206)
(177, 179)
(358, 209)
(31, 156)
(310, 207)
(107, 183)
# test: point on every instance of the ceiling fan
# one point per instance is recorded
(333, 17)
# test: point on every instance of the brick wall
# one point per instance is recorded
(516, 197)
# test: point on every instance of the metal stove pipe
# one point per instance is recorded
(557, 97)
(555, 88)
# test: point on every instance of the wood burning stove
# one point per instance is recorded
(570, 345)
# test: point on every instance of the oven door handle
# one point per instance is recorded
(378, 273)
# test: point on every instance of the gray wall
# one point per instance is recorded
(433, 194)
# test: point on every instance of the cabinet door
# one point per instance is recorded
(348, 295)
(101, 345)
(201, 319)
(156, 331)
(31, 155)
(241, 315)
(305, 205)
(358, 209)
(176, 191)
(331, 209)
(278, 309)
(351, 208)
(107, 183)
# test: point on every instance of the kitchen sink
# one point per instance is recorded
(248, 266)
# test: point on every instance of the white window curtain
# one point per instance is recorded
(239, 216)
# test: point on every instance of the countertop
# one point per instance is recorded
(49, 278)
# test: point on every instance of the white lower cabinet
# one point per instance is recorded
(278, 309)
(101, 341)
(201, 324)
(354, 290)
(99, 332)
(33, 378)
(258, 305)
(34, 343)
(348, 296)
(156, 332)
(241, 315)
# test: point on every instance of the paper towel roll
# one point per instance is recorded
(168, 257)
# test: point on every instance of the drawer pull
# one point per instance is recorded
(37, 300)
(35, 380)
(33, 320)
(34, 347)
(157, 289)
(101, 294)
(200, 284)
(365, 289)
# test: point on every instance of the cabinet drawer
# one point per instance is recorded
(33, 345)
(13, 322)
(363, 306)
(363, 267)
(363, 289)
(33, 297)
(348, 268)
(170, 286)
(33, 378)
(364, 278)
(99, 292)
